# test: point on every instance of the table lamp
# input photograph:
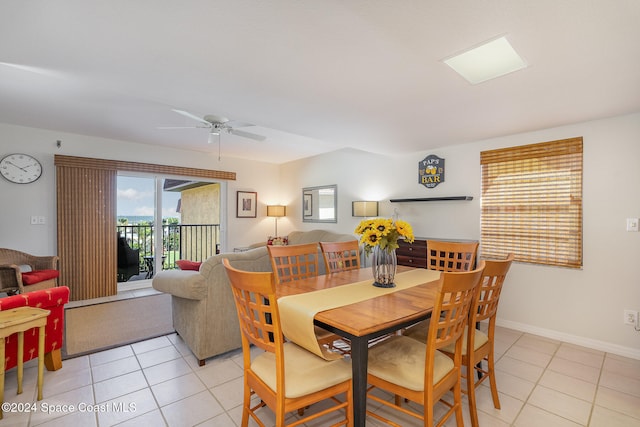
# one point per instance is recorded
(276, 211)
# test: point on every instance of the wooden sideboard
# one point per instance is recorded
(415, 254)
(412, 254)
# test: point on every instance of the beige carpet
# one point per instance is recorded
(101, 326)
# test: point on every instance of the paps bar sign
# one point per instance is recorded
(431, 171)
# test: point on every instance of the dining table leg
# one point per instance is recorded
(359, 359)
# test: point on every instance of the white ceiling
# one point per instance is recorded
(312, 75)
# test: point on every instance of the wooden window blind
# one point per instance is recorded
(532, 203)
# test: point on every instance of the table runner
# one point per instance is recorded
(297, 311)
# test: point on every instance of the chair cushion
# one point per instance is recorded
(478, 341)
(32, 277)
(305, 373)
(401, 360)
(185, 264)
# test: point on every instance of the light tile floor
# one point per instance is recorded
(158, 382)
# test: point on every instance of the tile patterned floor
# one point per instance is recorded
(158, 382)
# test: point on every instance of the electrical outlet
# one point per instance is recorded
(630, 317)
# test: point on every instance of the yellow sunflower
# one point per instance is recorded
(383, 226)
(370, 237)
(405, 230)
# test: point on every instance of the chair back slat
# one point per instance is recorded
(257, 307)
(451, 256)
(453, 302)
(294, 262)
(488, 296)
(341, 256)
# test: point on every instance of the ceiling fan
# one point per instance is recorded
(216, 125)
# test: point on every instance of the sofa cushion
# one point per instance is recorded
(187, 284)
(37, 276)
(314, 236)
(185, 264)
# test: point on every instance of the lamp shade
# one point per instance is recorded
(364, 208)
(276, 210)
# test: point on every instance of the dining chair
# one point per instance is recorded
(295, 262)
(284, 376)
(445, 256)
(451, 256)
(341, 256)
(484, 307)
(417, 370)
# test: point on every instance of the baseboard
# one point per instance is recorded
(608, 347)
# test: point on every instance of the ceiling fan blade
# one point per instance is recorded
(247, 135)
(183, 127)
(191, 116)
(237, 124)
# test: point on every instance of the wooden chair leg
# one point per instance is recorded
(492, 381)
(471, 395)
(53, 360)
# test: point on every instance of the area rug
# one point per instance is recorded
(97, 327)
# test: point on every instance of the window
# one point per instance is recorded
(532, 203)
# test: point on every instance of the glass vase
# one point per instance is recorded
(384, 264)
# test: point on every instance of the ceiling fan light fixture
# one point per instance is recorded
(211, 136)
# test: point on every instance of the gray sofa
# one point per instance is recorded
(204, 313)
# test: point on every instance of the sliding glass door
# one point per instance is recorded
(173, 218)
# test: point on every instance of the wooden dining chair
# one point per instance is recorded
(419, 371)
(484, 307)
(295, 262)
(451, 256)
(445, 256)
(341, 256)
(285, 377)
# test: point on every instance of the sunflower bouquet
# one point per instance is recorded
(384, 233)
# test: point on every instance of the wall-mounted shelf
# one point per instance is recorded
(432, 199)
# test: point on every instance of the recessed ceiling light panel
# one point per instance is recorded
(487, 61)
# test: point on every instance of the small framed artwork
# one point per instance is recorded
(306, 205)
(247, 201)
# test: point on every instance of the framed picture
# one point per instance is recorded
(306, 205)
(247, 201)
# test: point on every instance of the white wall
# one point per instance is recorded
(581, 306)
(20, 202)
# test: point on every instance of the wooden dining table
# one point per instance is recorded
(364, 321)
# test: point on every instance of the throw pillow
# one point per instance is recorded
(278, 241)
(185, 264)
(37, 276)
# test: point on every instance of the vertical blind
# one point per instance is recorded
(86, 231)
(532, 203)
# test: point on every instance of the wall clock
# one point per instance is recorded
(20, 168)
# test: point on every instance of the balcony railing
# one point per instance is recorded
(179, 241)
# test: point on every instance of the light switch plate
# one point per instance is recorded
(632, 224)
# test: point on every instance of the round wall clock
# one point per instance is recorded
(20, 168)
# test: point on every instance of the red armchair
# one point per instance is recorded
(52, 299)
